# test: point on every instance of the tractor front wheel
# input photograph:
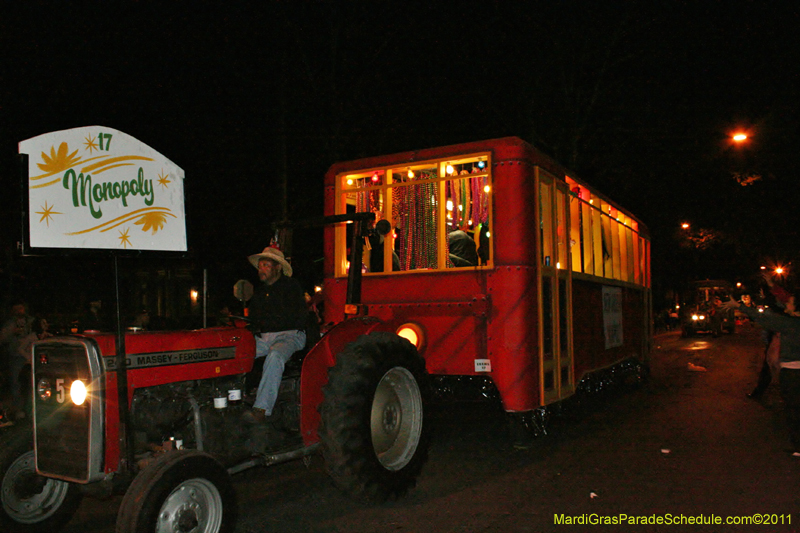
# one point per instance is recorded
(31, 503)
(182, 491)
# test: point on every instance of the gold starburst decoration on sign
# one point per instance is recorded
(58, 161)
(90, 143)
(124, 238)
(152, 221)
(162, 179)
(47, 213)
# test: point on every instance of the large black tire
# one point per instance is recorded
(373, 433)
(180, 491)
(31, 503)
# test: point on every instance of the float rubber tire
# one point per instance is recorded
(373, 433)
(185, 490)
(30, 503)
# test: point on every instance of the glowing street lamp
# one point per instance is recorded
(685, 225)
(739, 137)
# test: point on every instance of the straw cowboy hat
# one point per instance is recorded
(274, 254)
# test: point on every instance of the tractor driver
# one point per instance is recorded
(278, 314)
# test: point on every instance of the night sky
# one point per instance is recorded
(638, 98)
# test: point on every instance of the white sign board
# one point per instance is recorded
(98, 188)
(612, 316)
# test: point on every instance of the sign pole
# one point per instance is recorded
(125, 435)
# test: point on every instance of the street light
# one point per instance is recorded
(685, 225)
(739, 137)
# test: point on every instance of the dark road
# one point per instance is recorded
(686, 445)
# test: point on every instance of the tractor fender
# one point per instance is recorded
(316, 363)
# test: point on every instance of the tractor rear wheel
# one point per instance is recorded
(373, 432)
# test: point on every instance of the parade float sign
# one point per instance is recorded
(99, 188)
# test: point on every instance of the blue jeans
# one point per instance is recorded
(277, 347)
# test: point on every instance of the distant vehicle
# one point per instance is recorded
(702, 312)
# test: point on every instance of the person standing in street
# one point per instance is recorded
(788, 326)
(770, 367)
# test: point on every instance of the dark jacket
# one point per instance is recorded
(376, 256)
(462, 249)
(278, 307)
(788, 326)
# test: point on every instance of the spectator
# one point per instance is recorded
(674, 318)
(93, 319)
(141, 321)
(770, 367)
(16, 337)
(42, 328)
(788, 325)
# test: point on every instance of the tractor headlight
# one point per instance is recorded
(77, 392)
